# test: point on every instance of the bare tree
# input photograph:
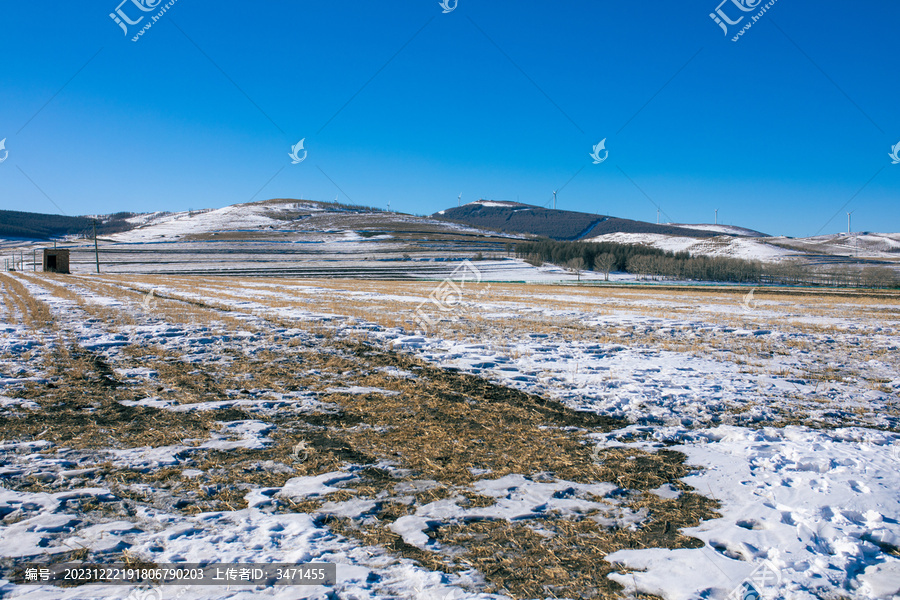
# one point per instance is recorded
(639, 265)
(605, 263)
(880, 277)
(576, 266)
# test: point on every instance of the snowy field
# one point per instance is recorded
(449, 441)
(747, 248)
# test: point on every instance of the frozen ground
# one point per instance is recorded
(735, 437)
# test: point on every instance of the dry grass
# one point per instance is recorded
(81, 408)
(29, 311)
(440, 426)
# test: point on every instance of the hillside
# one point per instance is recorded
(723, 229)
(863, 243)
(745, 247)
(514, 217)
(295, 237)
(37, 226)
(285, 237)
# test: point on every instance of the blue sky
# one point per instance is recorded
(783, 131)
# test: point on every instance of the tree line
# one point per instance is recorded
(654, 264)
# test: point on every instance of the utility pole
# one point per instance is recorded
(848, 222)
(34, 260)
(96, 250)
(657, 216)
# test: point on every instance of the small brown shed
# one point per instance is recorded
(56, 260)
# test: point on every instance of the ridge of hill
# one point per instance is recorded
(38, 226)
(724, 229)
(515, 217)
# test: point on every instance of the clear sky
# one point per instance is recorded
(784, 130)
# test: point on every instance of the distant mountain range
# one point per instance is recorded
(514, 217)
(506, 217)
(283, 228)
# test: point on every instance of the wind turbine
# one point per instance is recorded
(717, 216)
(554, 199)
(848, 231)
(459, 200)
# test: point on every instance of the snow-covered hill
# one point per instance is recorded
(726, 229)
(299, 217)
(747, 248)
(289, 234)
(863, 244)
